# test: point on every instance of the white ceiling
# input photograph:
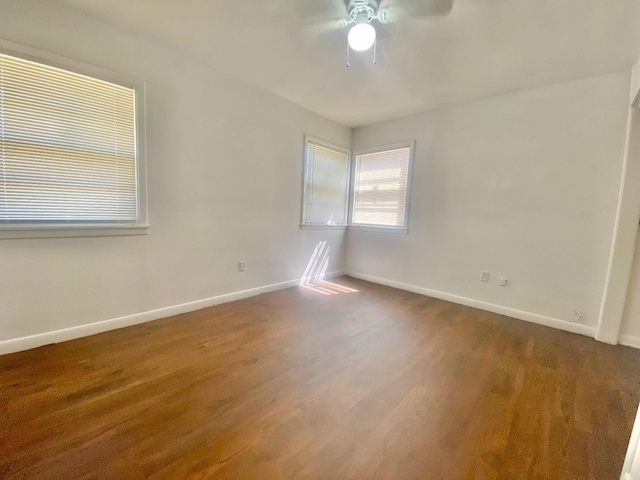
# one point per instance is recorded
(482, 48)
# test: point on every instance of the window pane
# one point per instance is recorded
(380, 188)
(67, 146)
(326, 186)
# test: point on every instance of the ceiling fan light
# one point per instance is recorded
(362, 36)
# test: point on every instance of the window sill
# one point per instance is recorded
(323, 227)
(364, 228)
(65, 231)
(373, 228)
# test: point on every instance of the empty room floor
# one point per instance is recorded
(342, 380)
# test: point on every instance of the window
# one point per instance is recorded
(69, 155)
(380, 187)
(326, 185)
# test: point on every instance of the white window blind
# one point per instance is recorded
(380, 188)
(67, 147)
(326, 187)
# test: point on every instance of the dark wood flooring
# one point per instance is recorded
(302, 384)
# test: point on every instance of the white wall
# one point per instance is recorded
(619, 319)
(224, 183)
(631, 319)
(523, 185)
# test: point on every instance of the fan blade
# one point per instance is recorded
(328, 26)
(320, 11)
(321, 17)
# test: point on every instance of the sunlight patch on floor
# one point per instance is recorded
(313, 278)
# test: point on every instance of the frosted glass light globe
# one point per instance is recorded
(361, 37)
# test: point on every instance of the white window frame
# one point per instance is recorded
(88, 229)
(404, 229)
(321, 143)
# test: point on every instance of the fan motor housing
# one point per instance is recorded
(362, 11)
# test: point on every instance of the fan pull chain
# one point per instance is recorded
(348, 48)
(375, 50)
(375, 45)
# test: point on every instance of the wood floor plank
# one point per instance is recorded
(367, 383)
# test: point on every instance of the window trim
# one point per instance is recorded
(88, 229)
(331, 146)
(404, 229)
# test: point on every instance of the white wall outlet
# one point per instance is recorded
(503, 281)
(577, 315)
(485, 276)
(242, 266)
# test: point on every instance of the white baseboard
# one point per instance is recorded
(489, 307)
(629, 341)
(57, 336)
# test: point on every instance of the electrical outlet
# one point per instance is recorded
(503, 281)
(485, 276)
(242, 266)
(577, 315)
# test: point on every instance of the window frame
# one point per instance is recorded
(328, 145)
(88, 229)
(404, 229)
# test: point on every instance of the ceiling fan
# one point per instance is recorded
(364, 13)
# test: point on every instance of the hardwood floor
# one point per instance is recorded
(297, 384)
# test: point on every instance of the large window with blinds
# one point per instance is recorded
(380, 187)
(69, 153)
(326, 185)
